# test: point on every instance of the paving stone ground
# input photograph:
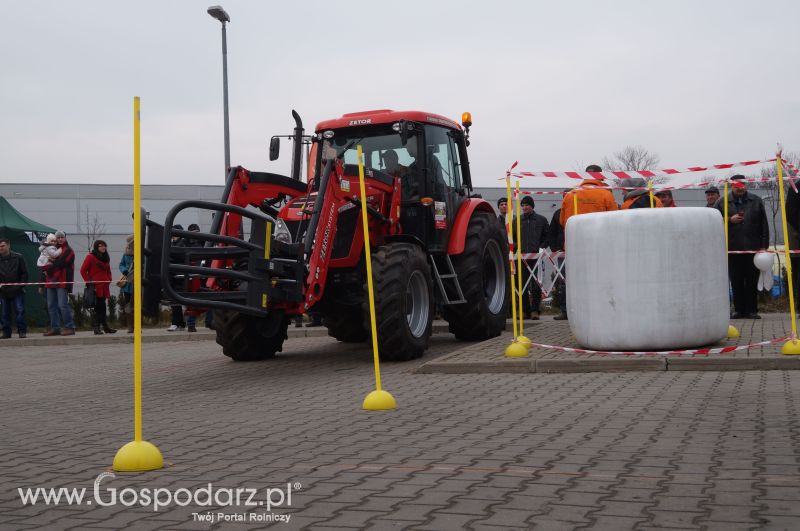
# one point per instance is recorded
(604, 450)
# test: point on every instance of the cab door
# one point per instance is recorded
(443, 182)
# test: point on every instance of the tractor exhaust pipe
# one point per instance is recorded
(297, 149)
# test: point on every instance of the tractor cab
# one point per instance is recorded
(426, 151)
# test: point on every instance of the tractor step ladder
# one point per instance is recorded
(449, 275)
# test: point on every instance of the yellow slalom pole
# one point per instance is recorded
(509, 221)
(521, 338)
(650, 190)
(377, 400)
(733, 332)
(138, 455)
(791, 347)
(515, 349)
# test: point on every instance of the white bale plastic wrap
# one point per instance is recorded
(647, 279)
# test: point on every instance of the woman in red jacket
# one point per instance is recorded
(96, 269)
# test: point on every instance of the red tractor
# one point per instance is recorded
(436, 246)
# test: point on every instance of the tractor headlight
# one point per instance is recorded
(282, 233)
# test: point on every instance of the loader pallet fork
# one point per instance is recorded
(200, 274)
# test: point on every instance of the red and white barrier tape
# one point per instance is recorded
(558, 254)
(602, 175)
(700, 351)
(55, 282)
(704, 184)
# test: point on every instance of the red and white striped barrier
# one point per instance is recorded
(699, 351)
(629, 174)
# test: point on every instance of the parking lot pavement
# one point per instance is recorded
(633, 450)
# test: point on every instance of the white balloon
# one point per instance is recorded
(764, 261)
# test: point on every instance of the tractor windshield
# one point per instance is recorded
(377, 151)
(383, 151)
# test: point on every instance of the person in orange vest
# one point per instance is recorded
(593, 196)
(636, 196)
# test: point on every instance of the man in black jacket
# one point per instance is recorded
(12, 270)
(793, 219)
(533, 229)
(748, 230)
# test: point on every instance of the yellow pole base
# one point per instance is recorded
(379, 401)
(524, 341)
(516, 350)
(138, 456)
(732, 332)
(791, 348)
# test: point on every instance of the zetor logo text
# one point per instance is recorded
(104, 495)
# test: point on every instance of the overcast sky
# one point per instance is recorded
(555, 85)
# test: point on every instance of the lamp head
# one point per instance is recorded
(218, 13)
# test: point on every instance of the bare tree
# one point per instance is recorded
(94, 228)
(633, 158)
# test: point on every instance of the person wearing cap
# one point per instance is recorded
(533, 233)
(593, 196)
(502, 207)
(712, 195)
(59, 276)
(748, 230)
(636, 195)
(665, 196)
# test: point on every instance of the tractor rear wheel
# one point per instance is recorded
(483, 273)
(403, 301)
(247, 338)
(346, 324)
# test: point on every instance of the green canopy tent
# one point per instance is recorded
(23, 233)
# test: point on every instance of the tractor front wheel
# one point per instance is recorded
(403, 301)
(483, 273)
(247, 338)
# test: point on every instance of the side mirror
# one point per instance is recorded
(403, 133)
(274, 148)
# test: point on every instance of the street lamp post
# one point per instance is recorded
(218, 13)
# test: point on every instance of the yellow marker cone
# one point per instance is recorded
(524, 341)
(137, 455)
(377, 400)
(732, 332)
(516, 350)
(791, 348)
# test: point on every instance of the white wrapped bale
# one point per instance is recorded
(647, 279)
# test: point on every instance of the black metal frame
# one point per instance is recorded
(258, 274)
